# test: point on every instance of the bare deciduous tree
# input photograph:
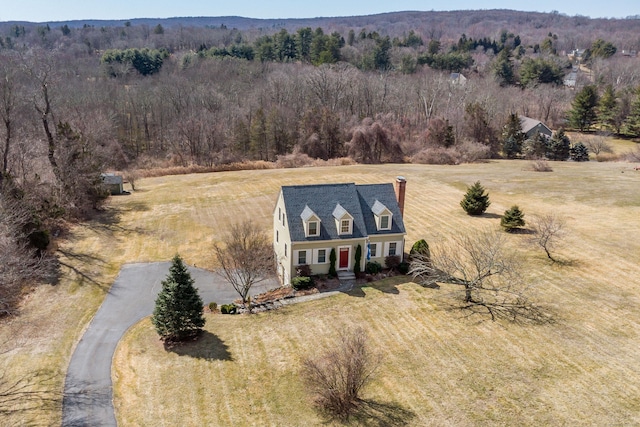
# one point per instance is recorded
(597, 145)
(338, 376)
(20, 263)
(489, 275)
(548, 230)
(245, 258)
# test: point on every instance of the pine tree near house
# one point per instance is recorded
(512, 219)
(579, 152)
(559, 146)
(332, 263)
(583, 108)
(632, 122)
(475, 201)
(608, 109)
(512, 137)
(178, 312)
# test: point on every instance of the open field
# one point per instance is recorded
(439, 369)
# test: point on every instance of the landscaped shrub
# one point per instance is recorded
(304, 270)
(332, 263)
(301, 282)
(421, 247)
(403, 267)
(373, 267)
(213, 306)
(356, 267)
(228, 309)
(392, 262)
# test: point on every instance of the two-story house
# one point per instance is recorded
(309, 221)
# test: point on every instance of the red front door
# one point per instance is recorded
(344, 258)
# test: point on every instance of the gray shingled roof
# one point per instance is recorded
(323, 199)
(385, 194)
(111, 178)
(527, 124)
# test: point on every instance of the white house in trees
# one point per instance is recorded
(309, 221)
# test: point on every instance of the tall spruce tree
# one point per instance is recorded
(583, 108)
(559, 146)
(512, 137)
(536, 147)
(475, 201)
(632, 122)
(512, 219)
(502, 68)
(608, 108)
(178, 312)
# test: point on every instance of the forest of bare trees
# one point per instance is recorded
(80, 99)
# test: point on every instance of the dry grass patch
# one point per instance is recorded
(582, 370)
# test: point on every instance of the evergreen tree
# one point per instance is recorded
(421, 249)
(559, 146)
(332, 263)
(583, 108)
(178, 312)
(512, 137)
(632, 122)
(602, 49)
(303, 43)
(536, 71)
(475, 201)
(502, 68)
(512, 219)
(356, 266)
(511, 148)
(579, 152)
(259, 143)
(608, 108)
(536, 147)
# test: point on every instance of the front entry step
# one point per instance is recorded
(344, 276)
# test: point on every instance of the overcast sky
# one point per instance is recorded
(63, 10)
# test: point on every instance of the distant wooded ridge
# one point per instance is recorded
(382, 20)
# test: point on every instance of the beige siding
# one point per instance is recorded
(382, 246)
(311, 250)
(282, 241)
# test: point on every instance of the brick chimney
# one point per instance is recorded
(401, 185)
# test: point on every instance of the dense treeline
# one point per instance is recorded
(75, 102)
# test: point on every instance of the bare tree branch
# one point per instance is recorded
(489, 275)
(549, 229)
(245, 258)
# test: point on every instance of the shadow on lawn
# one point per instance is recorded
(206, 346)
(81, 264)
(374, 413)
(388, 285)
(108, 220)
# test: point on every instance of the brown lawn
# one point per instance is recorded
(439, 368)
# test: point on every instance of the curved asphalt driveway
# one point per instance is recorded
(88, 390)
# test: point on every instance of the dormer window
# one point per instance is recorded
(312, 228)
(384, 222)
(383, 216)
(344, 221)
(311, 222)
